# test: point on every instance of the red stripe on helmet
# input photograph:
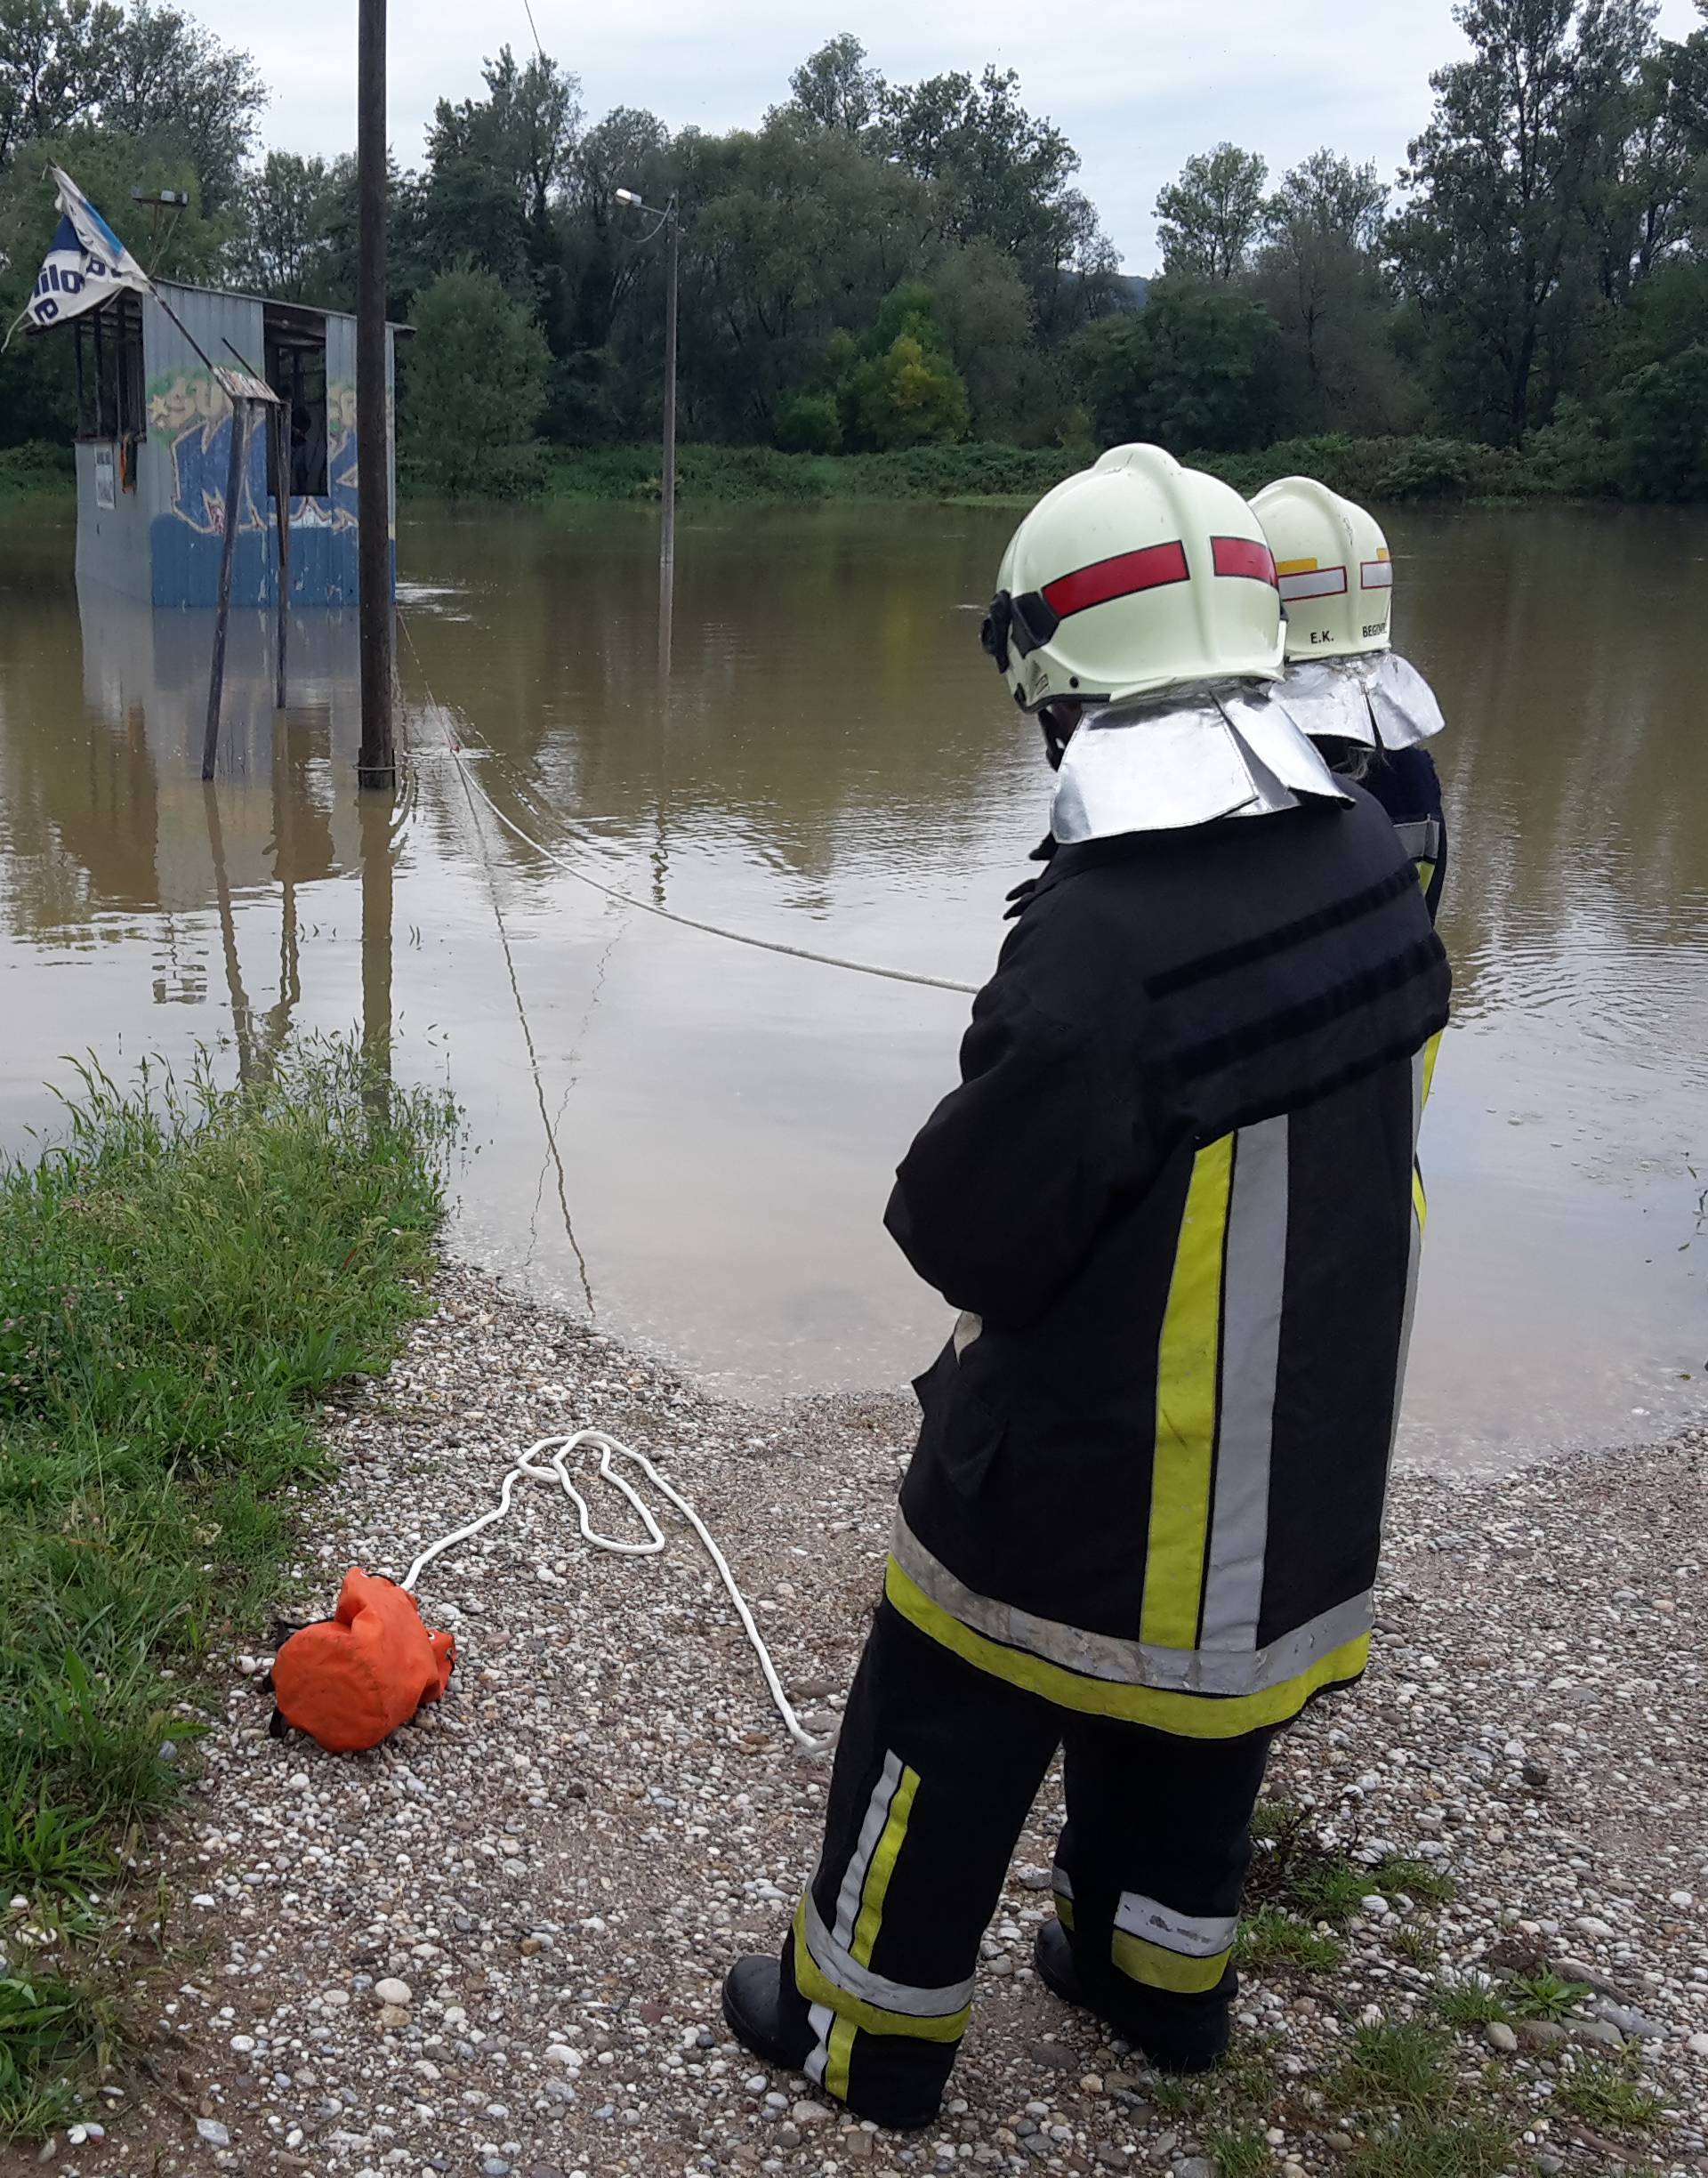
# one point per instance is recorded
(1124, 575)
(1244, 556)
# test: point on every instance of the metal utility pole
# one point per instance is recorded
(667, 528)
(669, 218)
(376, 765)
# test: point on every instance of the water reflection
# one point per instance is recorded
(691, 1141)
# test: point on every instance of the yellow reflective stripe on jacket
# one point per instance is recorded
(1159, 1968)
(1186, 1407)
(1190, 1717)
(817, 1986)
(882, 1867)
(1431, 1052)
(1420, 1201)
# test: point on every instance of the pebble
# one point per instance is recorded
(1632, 2024)
(1196, 2166)
(391, 1991)
(1500, 2037)
(1698, 2044)
(1540, 2033)
(1602, 2032)
(213, 2132)
(810, 2114)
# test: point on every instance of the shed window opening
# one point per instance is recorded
(296, 370)
(112, 400)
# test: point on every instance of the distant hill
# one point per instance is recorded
(1132, 290)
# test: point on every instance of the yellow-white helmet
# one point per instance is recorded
(1331, 563)
(1131, 578)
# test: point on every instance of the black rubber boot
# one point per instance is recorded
(752, 2006)
(1177, 2034)
(751, 1994)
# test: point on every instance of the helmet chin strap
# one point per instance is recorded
(1056, 730)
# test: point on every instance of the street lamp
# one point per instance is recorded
(668, 218)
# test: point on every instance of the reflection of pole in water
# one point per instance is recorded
(666, 616)
(240, 1022)
(373, 813)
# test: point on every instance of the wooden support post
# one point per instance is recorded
(227, 553)
(667, 528)
(374, 819)
(282, 475)
(376, 765)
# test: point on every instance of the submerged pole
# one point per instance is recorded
(282, 480)
(227, 553)
(376, 765)
(667, 528)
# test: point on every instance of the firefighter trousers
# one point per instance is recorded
(936, 1771)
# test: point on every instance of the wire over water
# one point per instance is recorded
(645, 906)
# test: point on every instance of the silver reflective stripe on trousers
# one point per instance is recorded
(967, 1328)
(1193, 1935)
(837, 1963)
(1255, 1272)
(1421, 837)
(1121, 1662)
(848, 1903)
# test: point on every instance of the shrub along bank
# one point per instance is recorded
(180, 1273)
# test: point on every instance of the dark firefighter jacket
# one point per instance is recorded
(1406, 784)
(1175, 1198)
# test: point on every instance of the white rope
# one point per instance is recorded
(557, 1468)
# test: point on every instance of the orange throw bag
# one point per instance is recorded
(351, 1680)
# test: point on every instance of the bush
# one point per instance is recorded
(1660, 417)
(477, 385)
(1571, 457)
(1441, 469)
(808, 423)
(36, 467)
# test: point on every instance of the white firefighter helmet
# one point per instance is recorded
(1332, 564)
(1131, 578)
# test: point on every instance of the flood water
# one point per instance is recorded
(691, 1140)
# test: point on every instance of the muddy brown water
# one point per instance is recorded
(692, 1140)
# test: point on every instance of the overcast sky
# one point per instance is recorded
(1138, 85)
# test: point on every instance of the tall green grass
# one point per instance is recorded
(183, 1268)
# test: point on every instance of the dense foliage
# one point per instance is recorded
(880, 266)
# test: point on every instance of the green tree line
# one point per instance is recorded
(877, 266)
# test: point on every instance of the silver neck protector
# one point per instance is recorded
(1166, 763)
(1378, 700)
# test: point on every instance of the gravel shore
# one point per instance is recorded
(493, 1946)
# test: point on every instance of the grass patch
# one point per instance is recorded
(1421, 2146)
(1240, 2150)
(1605, 2094)
(1419, 2120)
(1472, 2004)
(51, 2030)
(1417, 1948)
(1295, 1872)
(1270, 1937)
(181, 1271)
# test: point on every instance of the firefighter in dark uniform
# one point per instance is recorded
(1364, 706)
(1173, 1200)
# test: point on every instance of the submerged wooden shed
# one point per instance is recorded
(154, 444)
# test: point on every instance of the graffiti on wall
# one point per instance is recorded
(192, 420)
